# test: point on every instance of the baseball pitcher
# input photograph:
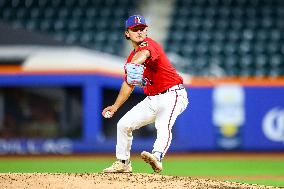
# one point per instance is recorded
(148, 67)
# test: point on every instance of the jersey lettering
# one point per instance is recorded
(143, 44)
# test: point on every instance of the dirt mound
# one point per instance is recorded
(118, 180)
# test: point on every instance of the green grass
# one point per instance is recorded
(245, 170)
(194, 168)
(226, 167)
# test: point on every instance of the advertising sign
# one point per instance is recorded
(228, 115)
(264, 127)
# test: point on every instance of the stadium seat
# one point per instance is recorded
(244, 37)
(85, 22)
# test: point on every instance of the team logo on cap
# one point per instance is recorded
(137, 19)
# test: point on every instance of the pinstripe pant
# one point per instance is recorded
(163, 109)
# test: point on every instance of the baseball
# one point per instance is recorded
(107, 114)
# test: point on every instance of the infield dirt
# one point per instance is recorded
(112, 181)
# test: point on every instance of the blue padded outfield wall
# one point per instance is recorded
(223, 117)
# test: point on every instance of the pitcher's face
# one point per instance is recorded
(137, 34)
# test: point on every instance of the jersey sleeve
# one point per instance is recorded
(154, 55)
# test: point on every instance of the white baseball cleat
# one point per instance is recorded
(153, 161)
(119, 167)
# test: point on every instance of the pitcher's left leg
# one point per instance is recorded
(174, 104)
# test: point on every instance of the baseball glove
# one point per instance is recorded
(134, 74)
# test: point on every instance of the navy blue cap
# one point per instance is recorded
(135, 20)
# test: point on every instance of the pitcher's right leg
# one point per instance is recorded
(140, 115)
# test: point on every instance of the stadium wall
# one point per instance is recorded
(230, 115)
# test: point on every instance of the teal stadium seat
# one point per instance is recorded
(243, 37)
(85, 23)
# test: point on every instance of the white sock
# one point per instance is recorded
(158, 155)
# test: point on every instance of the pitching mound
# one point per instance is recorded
(121, 180)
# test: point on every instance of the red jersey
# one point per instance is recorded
(159, 71)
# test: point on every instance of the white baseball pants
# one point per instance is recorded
(162, 109)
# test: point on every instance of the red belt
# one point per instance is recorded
(173, 88)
